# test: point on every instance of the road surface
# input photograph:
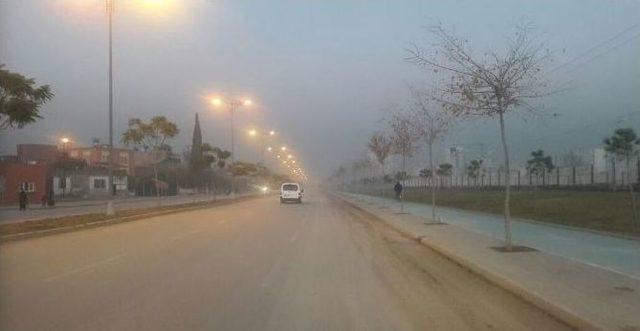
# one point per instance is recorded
(252, 265)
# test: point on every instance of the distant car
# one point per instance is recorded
(291, 192)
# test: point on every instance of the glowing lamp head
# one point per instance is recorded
(216, 102)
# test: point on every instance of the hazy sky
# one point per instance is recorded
(320, 72)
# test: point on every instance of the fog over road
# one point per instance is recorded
(253, 265)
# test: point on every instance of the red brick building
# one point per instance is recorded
(32, 177)
(98, 156)
(38, 152)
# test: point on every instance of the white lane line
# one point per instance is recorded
(84, 268)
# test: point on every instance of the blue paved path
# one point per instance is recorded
(614, 253)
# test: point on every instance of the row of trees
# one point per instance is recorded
(206, 167)
(465, 86)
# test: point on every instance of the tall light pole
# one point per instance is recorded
(65, 141)
(110, 7)
(233, 105)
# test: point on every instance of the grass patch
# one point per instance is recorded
(604, 211)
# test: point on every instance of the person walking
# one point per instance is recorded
(398, 189)
(23, 199)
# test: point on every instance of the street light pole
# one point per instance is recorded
(110, 8)
(232, 108)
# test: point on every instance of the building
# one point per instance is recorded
(87, 182)
(38, 152)
(38, 170)
(29, 170)
(33, 177)
(97, 156)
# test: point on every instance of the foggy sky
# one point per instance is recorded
(320, 72)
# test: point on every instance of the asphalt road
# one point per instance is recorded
(253, 265)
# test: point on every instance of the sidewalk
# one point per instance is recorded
(95, 202)
(98, 206)
(611, 251)
(584, 296)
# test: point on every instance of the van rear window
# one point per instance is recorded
(290, 187)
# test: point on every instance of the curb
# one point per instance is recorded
(116, 220)
(561, 313)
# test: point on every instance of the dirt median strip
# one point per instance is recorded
(50, 226)
(559, 312)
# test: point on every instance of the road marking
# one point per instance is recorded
(84, 268)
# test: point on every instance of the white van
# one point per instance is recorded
(291, 192)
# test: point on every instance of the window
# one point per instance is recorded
(99, 183)
(124, 158)
(290, 187)
(105, 156)
(27, 187)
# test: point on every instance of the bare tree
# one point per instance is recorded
(490, 85)
(431, 121)
(381, 147)
(403, 139)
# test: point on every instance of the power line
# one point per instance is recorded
(604, 53)
(591, 49)
(577, 129)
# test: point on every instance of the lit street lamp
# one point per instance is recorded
(233, 106)
(262, 136)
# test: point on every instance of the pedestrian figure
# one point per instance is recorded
(398, 189)
(23, 199)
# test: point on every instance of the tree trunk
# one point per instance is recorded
(633, 197)
(155, 175)
(507, 186)
(404, 174)
(383, 183)
(433, 188)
